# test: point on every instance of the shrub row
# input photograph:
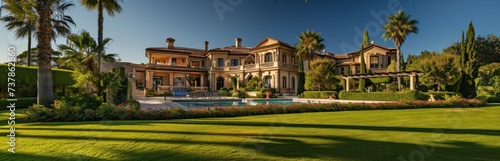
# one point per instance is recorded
(20, 103)
(26, 80)
(441, 95)
(490, 99)
(383, 96)
(319, 94)
(130, 112)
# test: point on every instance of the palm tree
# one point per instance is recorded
(310, 42)
(111, 7)
(80, 55)
(397, 28)
(22, 18)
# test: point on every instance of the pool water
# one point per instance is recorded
(229, 103)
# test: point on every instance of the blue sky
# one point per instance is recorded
(191, 22)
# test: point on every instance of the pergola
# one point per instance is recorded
(412, 74)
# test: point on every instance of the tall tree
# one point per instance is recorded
(22, 18)
(366, 39)
(310, 42)
(44, 35)
(439, 70)
(362, 68)
(468, 63)
(398, 28)
(111, 7)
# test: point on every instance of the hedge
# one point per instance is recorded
(490, 99)
(440, 95)
(131, 112)
(319, 94)
(383, 96)
(20, 103)
(27, 77)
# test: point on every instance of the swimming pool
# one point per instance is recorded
(230, 102)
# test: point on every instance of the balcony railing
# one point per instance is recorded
(249, 66)
(234, 68)
(267, 64)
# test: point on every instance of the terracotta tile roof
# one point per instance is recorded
(232, 50)
(347, 63)
(341, 56)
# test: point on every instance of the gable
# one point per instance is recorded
(267, 41)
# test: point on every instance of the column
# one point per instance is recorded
(149, 80)
(171, 80)
(412, 82)
(347, 84)
(202, 80)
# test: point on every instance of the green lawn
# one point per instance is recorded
(433, 134)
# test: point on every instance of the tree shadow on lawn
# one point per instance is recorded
(273, 124)
(8, 156)
(334, 147)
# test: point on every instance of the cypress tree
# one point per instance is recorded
(362, 68)
(468, 63)
(366, 39)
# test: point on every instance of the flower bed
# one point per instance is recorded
(130, 112)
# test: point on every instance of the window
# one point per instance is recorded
(374, 62)
(202, 63)
(293, 83)
(267, 81)
(388, 60)
(283, 58)
(356, 69)
(284, 82)
(179, 81)
(235, 62)
(220, 62)
(292, 60)
(268, 57)
(342, 71)
(174, 62)
(196, 65)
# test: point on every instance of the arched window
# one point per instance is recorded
(293, 83)
(283, 82)
(268, 57)
(220, 62)
(267, 81)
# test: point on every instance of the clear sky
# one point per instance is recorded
(147, 23)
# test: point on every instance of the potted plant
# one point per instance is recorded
(267, 92)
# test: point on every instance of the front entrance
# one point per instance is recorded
(156, 82)
(220, 82)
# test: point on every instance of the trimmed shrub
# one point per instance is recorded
(383, 96)
(27, 76)
(490, 99)
(20, 103)
(112, 112)
(319, 94)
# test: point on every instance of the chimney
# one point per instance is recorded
(170, 43)
(238, 42)
(206, 45)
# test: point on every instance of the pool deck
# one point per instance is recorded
(160, 102)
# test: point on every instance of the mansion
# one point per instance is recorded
(174, 67)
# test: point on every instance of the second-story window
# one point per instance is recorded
(235, 62)
(283, 58)
(220, 62)
(202, 63)
(268, 57)
(342, 71)
(388, 60)
(374, 62)
(196, 64)
(174, 62)
(292, 59)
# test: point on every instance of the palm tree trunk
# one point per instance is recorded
(100, 23)
(397, 66)
(29, 46)
(44, 34)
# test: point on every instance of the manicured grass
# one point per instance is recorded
(434, 134)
